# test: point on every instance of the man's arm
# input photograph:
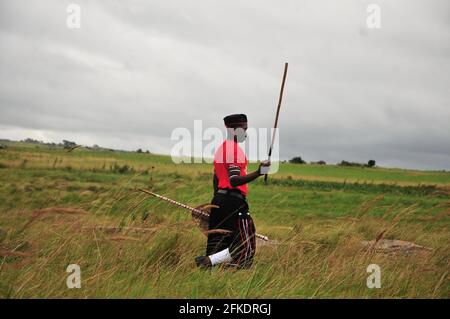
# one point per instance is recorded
(237, 180)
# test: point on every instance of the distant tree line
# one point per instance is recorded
(141, 151)
(300, 160)
(66, 144)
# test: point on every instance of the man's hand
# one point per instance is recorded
(264, 167)
(237, 180)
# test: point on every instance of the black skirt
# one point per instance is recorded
(232, 216)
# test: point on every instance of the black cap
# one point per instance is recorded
(235, 120)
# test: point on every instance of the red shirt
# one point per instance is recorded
(229, 156)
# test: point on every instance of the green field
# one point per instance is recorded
(318, 215)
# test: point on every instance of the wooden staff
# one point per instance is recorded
(197, 212)
(278, 113)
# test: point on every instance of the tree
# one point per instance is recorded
(297, 160)
(371, 163)
(69, 144)
(139, 150)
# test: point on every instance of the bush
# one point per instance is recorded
(121, 169)
(351, 164)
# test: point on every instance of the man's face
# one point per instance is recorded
(240, 133)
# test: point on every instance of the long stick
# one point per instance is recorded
(197, 212)
(275, 126)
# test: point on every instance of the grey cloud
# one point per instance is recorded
(138, 69)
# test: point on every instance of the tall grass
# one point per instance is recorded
(132, 246)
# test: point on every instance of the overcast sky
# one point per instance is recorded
(136, 70)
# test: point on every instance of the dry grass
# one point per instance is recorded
(53, 210)
(130, 246)
(313, 262)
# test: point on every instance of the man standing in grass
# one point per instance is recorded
(237, 246)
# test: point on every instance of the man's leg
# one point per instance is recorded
(218, 220)
(243, 247)
(225, 217)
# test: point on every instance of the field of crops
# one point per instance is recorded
(81, 207)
